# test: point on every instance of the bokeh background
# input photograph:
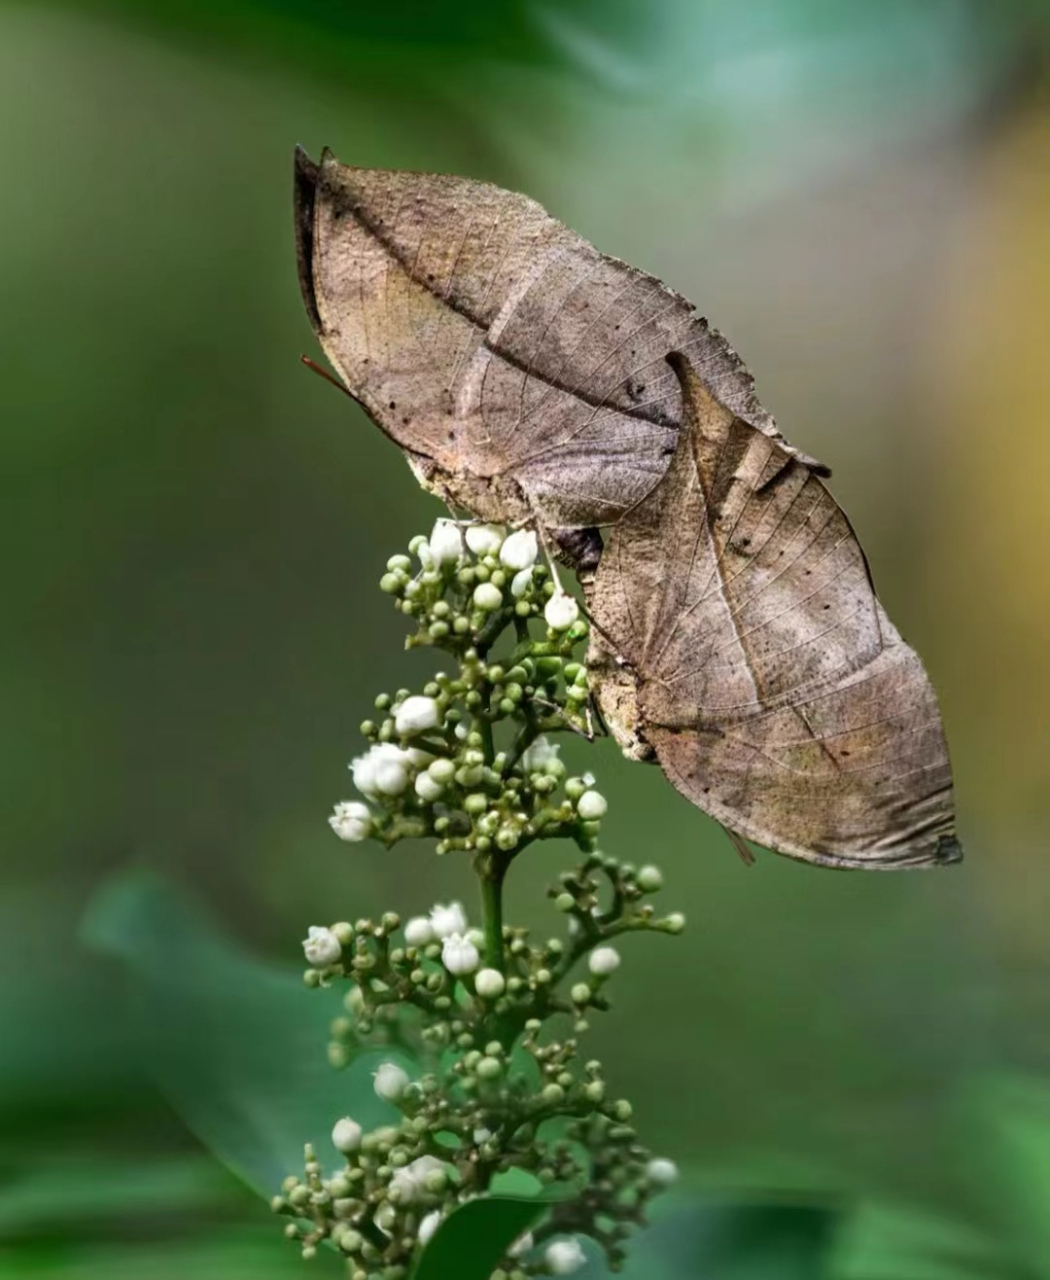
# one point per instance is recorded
(852, 1070)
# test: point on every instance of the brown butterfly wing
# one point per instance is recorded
(774, 690)
(484, 336)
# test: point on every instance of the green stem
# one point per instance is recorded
(492, 872)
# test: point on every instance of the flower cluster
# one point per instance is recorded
(481, 1024)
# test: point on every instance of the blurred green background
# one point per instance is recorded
(858, 194)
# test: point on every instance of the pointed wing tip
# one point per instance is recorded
(949, 851)
(303, 163)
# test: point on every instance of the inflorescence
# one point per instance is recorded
(483, 1023)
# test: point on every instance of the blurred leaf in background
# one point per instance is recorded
(856, 195)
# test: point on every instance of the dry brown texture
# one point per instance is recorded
(739, 638)
(521, 370)
(527, 377)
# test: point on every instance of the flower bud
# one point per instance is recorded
(661, 1172)
(489, 984)
(459, 955)
(650, 879)
(448, 920)
(382, 770)
(442, 770)
(487, 597)
(390, 1081)
(591, 806)
(563, 1257)
(675, 922)
(580, 993)
(522, 1245)
(346, 1136)
(321, 946)
(429, 1226)
(484, 539)
(446, 543)
(416, 715)
(520, 583)
(427, 789)
(418, 932)
(520, 550)
(561, 611)
(539, 755)
(603, 961)
(351, 821)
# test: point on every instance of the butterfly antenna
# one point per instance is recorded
(323, 373)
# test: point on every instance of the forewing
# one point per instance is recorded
(486, 336)
(772, 686)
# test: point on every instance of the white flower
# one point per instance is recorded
(321, 946)
(522, 1245)
(489, 984)
(564, 1257)
(351, 821)
(346, 1136)
(446, 543)
(427, 789)
(519, 584)
(459, 955)
(418, 932)
(390, 1081)
(661, 1172)
(603, 961)
(487, 597)
(539, 754)
(428, 1226)
(484, 539)
(416, 714)
(520, 550)
(591, 806)
(382, 771)
(410, 1181)
(446, 920)
(561, 611)
(481, 1135)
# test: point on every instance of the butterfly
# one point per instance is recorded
(529, 378)
(738, 640)
(521, 371)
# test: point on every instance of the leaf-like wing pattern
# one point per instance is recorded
(522, 371)
(738, 636)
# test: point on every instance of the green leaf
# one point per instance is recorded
(237, 1046)
(692, 1240)
(882, 1241)
(471, 1241)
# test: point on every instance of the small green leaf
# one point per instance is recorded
(471, 1241)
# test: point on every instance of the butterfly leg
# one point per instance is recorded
(740, 845)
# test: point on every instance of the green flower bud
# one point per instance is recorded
(650, 879)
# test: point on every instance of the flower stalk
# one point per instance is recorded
(485, 1023)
